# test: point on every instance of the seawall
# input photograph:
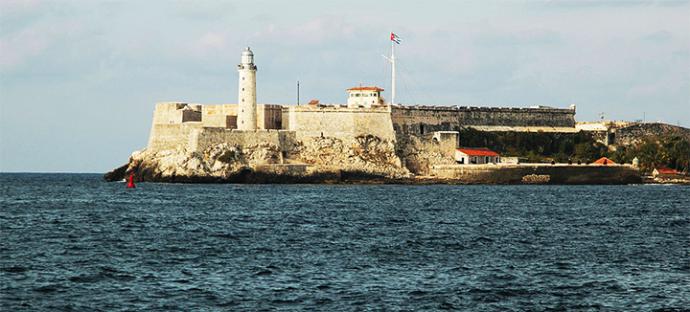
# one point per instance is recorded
(537, 174)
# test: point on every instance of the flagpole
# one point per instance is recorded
(392, 72)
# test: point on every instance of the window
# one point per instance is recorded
(242, 89)
(486, 159)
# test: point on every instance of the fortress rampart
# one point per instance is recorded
(268, 116)
(171, 136)
(201, 139)
(174, 122)
(337, 121)
(425, 119)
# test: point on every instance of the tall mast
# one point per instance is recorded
(394, 40)
(392, 72)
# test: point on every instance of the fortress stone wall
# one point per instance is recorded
(338, 122)
(268, 116)
(171, 136)
(424, 119)
(217, 116)
(176, 112)
(174, 122)
(201, 139)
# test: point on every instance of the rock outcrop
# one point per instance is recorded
(313, 159)
(636, 133)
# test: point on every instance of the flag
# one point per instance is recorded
(395, 38)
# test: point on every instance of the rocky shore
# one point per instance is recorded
(365, 159)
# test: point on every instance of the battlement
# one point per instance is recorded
(335, 108)
(176, 112)
(338, 121)
(457, 108)
(424, 119)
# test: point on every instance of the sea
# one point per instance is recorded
(72, 242)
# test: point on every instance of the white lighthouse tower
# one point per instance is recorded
(246, 115)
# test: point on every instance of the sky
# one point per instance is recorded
(79, 79)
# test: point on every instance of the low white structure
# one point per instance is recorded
(510, 160)
(467, 156)
(364, 97)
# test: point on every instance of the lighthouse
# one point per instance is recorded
(246, 115)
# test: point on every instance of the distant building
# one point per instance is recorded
(604, 161)
(474, 155)
(364, 97)
(667, 173)
(511, 160)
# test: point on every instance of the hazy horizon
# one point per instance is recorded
(79, 79)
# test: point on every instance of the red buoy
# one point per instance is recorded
(130, 181)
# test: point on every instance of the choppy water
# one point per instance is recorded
(73, 242)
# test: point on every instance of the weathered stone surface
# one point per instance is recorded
(367, 154)
(317, 159)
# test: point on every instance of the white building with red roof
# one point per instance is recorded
(476, 155)
(664, 172)
(364, 97)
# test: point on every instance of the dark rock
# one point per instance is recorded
(116, 174)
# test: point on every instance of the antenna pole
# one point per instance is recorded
(297, 92)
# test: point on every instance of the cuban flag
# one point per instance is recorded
(395, 38)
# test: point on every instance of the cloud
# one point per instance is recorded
(211, 41)
(658, 36)
(204, 10)
(316, 31)
(13, 7)
(521, 38)
(17, 48)
(584, 4)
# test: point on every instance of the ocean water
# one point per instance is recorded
(73, 242)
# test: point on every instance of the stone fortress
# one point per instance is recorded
(365, 137)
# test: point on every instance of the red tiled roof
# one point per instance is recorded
(604, 161)
(478, 151)
(667, 171)
(365, 89)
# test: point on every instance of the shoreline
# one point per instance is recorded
(541, 174)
